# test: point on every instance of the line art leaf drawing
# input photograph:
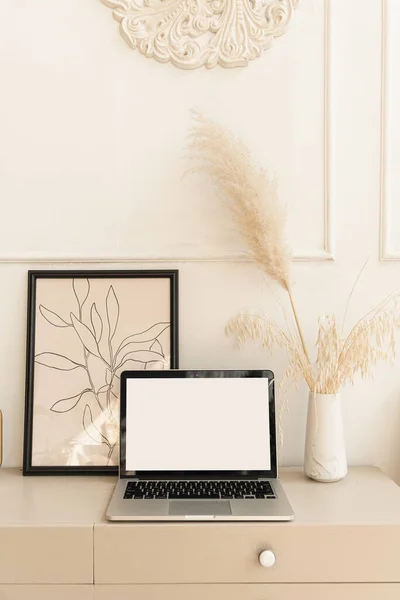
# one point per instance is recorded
(52, 317)
(93, 329)
(148, 335)
(154, 365)
(85, 335)
(97, 322)
(66, 404)
(81, 289)
(91, 429)
(103, 389)
(157, 365)
(112, 310)
(138, 355)
(52, 360)
(156, 346)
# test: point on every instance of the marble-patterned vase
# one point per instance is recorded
(325, 452)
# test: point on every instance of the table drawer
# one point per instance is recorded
(228, 553)
(275, 591)
(46, 592)
(46, 554)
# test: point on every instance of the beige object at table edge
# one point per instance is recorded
(1, 438)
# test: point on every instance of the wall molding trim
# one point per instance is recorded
(228, 258)
(326, 253)
(386, 252)
(196, 33)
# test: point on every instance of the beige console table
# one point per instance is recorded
(56, 545)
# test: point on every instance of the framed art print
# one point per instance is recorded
(84, 329)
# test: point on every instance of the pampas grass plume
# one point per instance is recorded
(251, 198)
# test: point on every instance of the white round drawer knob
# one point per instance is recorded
(267, 558)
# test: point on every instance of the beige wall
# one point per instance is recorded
(91, 146)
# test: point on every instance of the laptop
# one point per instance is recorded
(198, 445)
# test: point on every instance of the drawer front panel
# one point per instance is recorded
(334, 591)
(46, 554)
(225, 553)
(46, 592)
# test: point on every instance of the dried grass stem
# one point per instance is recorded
(251, 198)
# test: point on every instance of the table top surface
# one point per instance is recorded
(365, 497)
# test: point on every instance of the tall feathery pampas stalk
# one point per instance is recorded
(251, 198)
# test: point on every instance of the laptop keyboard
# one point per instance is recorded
(246, 489)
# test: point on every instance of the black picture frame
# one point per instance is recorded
(78, 278)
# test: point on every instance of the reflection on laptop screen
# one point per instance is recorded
(197, 424)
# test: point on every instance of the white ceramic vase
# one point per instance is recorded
(325, 451)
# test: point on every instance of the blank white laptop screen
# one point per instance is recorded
(197, 424)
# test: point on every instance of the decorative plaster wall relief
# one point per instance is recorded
(193, 33)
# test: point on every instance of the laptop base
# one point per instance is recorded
(275, 509)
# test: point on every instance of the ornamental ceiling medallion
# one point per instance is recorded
(196, 33)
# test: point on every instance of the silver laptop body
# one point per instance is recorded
(198, 445)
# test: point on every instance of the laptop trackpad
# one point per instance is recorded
(199, 507)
